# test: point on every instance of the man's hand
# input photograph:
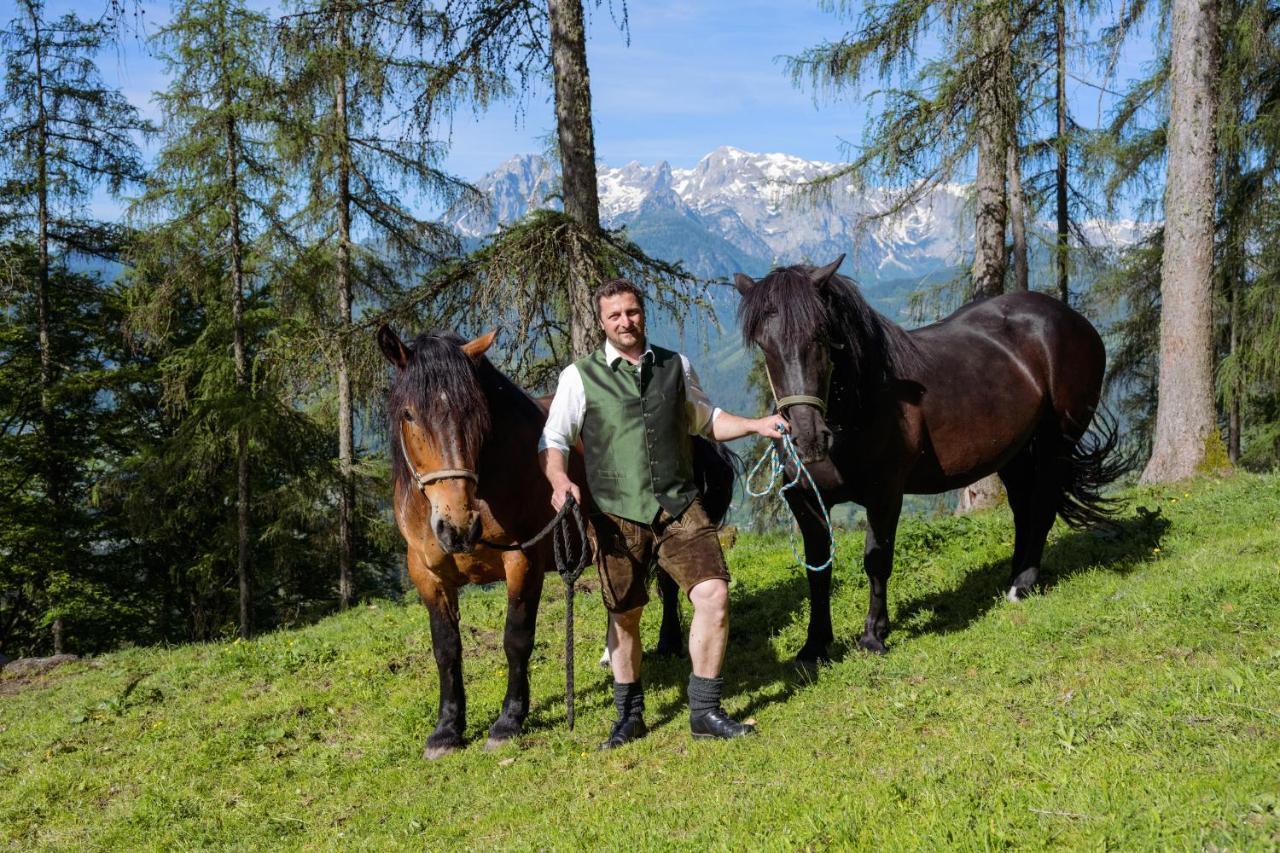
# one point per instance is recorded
(561, 488)
(771, 426)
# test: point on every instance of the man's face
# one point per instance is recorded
(622, 318)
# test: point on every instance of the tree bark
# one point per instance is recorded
(1185, 426)
(577, 158)
(52, 466)
(1017, 218)
(1060, 143)
(235, 250)
(991, 214)
(346, 430)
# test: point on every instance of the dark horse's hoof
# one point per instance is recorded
(813, 655)
(669, 649)
(872, 644)
(438, 746)
(500, 734)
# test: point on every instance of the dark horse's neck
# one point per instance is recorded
(869, 352)
(515, 422)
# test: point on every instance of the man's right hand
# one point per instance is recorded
(560, 491)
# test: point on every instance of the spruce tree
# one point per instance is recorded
(63, 134)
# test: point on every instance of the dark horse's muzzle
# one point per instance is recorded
(813, 440)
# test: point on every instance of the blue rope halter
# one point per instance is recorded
(777, 467)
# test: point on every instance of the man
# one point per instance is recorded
(635, 407)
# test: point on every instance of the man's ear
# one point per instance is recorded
(822, 275)
(392, 347)
(476, 348)
(743, 283)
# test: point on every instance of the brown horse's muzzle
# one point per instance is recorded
(454, 519)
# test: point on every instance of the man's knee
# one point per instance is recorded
(710, 596)
(628, 621)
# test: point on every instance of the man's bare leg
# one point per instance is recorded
(709, 630)
(628, 694)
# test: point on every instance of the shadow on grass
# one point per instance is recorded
(1121, 551)
(752, 664)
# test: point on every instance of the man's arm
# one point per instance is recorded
(564, 422)
(705, 419)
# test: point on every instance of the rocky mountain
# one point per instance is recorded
(739, 211)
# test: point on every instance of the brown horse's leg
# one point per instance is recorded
(817, 550)
(524, 590)
(446, 644)
(670, 635)
(882, 528)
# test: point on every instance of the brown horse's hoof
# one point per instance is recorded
(431, 753)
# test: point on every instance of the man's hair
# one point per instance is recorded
(615, 286)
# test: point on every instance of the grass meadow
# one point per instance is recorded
(1133, 704)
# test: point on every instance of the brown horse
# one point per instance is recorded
(1005, 385)
(463, 440)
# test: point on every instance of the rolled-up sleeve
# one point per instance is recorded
(568, 407)
(701, 414)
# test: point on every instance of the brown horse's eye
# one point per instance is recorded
(408, 416)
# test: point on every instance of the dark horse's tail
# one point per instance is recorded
(1093, 463)
(715, 467)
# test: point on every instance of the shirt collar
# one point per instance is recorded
(612, 356)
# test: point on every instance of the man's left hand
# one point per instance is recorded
(772, 426)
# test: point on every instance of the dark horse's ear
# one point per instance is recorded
(744, 283)
(478, 347)
(822, 275)
(392, 347)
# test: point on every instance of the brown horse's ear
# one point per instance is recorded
(392, 347)
(823, 275)
(479, 346)
(743, 283)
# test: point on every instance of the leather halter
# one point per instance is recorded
(424, 480)
(819, 403)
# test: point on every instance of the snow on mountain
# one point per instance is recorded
(735, 205)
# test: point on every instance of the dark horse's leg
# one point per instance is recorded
(882, 527)
(817, 550)
(1036, 475)
(670, 635)
(524, 590)
(1018, 476)
(446, 644)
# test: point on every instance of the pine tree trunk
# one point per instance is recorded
(577, 157)
(346, 430)
(1232, 275)
(1060, 183)
(235, 249)
(991, 214)
(1185, 426)
(1018, 219)
(44, 325)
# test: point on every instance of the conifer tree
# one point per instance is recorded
(64, 132)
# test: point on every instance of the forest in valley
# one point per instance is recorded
(191, 396)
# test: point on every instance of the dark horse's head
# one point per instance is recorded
(825, 348)
(438, 418)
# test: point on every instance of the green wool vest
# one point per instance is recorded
(635, 434)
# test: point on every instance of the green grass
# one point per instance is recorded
(1135, 704)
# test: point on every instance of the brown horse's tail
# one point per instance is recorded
(1094, 462)
(715, 468)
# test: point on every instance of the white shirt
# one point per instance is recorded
(569, 407)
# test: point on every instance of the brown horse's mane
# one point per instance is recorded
(450, 394)
(869, 348)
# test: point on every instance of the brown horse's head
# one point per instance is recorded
(437, 421)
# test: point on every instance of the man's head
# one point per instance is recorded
(620, 309)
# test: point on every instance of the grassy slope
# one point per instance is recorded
(1135, 704)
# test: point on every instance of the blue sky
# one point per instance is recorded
(695, 75)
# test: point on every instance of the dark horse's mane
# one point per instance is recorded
(869, 348)
(444, 386)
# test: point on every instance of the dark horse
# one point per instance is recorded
(464, 440)
(1005, 385)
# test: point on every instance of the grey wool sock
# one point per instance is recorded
(628, 699)
(704, 694)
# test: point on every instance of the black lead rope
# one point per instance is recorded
(566, 523)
